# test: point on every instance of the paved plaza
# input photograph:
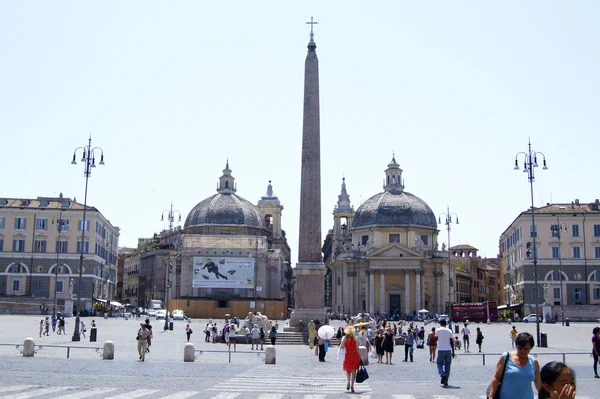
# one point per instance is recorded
(297, 374)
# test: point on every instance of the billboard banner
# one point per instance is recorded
(222, 272)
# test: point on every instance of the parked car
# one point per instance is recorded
(161, 313)
(444, 317)
(531, 318)
(151, 312)
(178, 315)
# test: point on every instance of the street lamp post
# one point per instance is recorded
(560, 227)
(168, 266)
(530, 162)
(448, 221)
(90, 162)
(59, 225)
(31, 263)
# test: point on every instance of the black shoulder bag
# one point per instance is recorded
(499, 389)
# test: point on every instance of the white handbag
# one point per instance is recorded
(341, 354)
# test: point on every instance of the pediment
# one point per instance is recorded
(394, 251)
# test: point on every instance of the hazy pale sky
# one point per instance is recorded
(170, 90)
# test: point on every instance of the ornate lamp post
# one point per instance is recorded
(168, 266)
(89, 159)
(448, 221)
(556, 231)
(530, 162)
(59, 225)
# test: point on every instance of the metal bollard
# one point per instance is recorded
(108, 352)
(28, 347)
(270, 356)
(189, 352)
(364, 354)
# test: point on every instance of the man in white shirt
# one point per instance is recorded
(445, 351)
(465, 333)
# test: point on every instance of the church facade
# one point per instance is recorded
(383, 257)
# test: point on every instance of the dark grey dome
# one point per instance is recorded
(224, 209)
(394, 208)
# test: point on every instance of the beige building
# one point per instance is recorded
(384, 256)
(40, 246)
(567, 244)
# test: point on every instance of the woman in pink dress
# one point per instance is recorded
(352, 359)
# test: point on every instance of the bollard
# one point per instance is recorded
(270, 357)
(28, 347)
(108, 352)
(364, 354)
(93, 334)
(189, 352)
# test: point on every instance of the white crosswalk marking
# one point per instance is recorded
(15, 388)
(134, 394)
(314, 396)
(38, 392)
(270, 396)
(403, 397)
(87, 393)
(180, 395)
(227, 395)
(445, 397)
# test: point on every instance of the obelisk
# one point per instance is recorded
(310, 270)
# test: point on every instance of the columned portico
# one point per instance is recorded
(372, 292)
(418, 290)
(406, 291)
(382, 291)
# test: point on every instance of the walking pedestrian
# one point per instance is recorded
(41, 327)
(445, 343)
(558, 381)
(408, 345)
(520, 371)
(465, 333)
(149, 340)
(388, 345)
(255, 335)
(272, 335)
(432, 342)
(352, 358)
(312, 333)
(54, 322)
(47, 326)
(513, 336)
(479, 339)
(322, 353)
(232, 335)
(143, 336)
(206, 333)
(596, 349)
(379, 345)
(83, 330)
(188, 332)
(262, 338)
(247, 333)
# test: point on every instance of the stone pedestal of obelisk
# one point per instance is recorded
(310, 270)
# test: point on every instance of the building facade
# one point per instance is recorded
(384, 257)
(477, 279)
(40, 248)
(566, 241)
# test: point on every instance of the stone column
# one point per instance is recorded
(367, 291)
(418, 289)
(372, 292)
(382, 291)
(406, 292)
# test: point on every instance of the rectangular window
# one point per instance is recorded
(20, 223)
(364, 240)
(534, 294)
(59, 286)
(556, 276)
(1, 222)
(576, 252)
(575, 230)
(532, 231)
(597, 276)
(1, 244)
(18, 245)
(394, 238)
(597, 252)
(80, 223)
(555, 252)
(16, 285)
(37, 285)
(62, 225)
(85, 246)
(578, 294)
(39, 246)
(557, 293)
(597, 230)
(425, 239)
(554, 230)
(41, 224)
(62, 246)
(596, 293)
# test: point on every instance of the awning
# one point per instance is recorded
(117, 304)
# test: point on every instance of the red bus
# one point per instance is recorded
(476, 312)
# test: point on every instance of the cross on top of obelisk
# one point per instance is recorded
(311, 23)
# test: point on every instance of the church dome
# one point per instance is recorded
(225, 208)
(394, 207)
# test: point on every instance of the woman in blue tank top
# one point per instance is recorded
(521, 370)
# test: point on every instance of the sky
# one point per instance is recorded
(170, 90)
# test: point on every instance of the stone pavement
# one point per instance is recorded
(297, 374)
